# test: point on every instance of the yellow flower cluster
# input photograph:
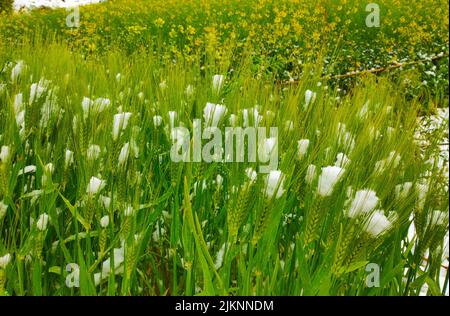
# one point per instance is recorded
(283, 34)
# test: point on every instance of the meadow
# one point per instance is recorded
(92, 203)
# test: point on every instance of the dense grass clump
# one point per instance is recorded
(86, 180)
(6, 6)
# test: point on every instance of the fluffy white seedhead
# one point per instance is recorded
(120, 123)
(217, 82)
(3, 209)
(129, 211)
(327, 180)
(310, 97)
(378, 223)
(310, 174)
(17, 70)
(5, 153)
(219, 180)
(124, 153)
(104, 221)
(27, 169)
(342, 160)
(213, 113)
(251, 174)
(402, 190)
(422, 189)
(289, 125)
(157, 120)
(93, 152)
(233, 120)
(172, 117)
(392, 161)
(189, 90)
(68, 159)
(95, 185)
(274, 184)
(220, 256)
(364, 202)
(49, 168)
(42, 222)
(163, 85)
(303, 145)
(267, 148)
(5, 260)
(92, 107)
(106, 201)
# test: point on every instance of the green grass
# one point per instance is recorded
(189, 233)
(281, 36)
(6, 6)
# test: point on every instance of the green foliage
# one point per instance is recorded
(6, 6)
(167, 234)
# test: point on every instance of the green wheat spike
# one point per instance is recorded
(200, 170)
(39, 245)
(82, 143)
(2, 279)
(3, 291)
(237, 215)
(122, 187)
(216, 199)
(131, 256)
(28, 119)
(103, 239)
(436, 239)
(90, 211)
(419, 222)
(126, 227)
(356, 250)
(262, 224)
(343, 247)
(312, 222)
(4, 179)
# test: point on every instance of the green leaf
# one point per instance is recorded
(73, 211)
(55, 270)
(353, 266)
(433, 286)
(37, 278)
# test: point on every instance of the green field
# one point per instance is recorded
(93, 203)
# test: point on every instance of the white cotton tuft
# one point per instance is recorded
(5, 260)
(342, 160)
(95, 185)
(213, 113)
(104, 221)
(120, 123)
(5, 154)
(310, 174)
(217, 82)
(251, 174)
(157, 120)
(274, 184)
(310, 97)
(303, 145)
(219, 258)
(402, 190)
(327, 180)
(42, 222)
(364, 202)
(378, 223)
